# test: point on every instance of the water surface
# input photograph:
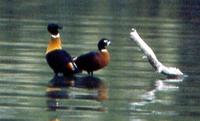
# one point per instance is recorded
(128, 89)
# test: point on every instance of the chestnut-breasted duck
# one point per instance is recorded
(94, 60)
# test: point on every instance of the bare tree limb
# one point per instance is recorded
(148, 52)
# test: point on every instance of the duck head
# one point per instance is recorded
(53, 28)
(103, 43)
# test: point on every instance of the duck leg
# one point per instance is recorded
(90, 73)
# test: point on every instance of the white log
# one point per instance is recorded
(148, 52)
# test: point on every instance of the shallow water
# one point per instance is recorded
(128, 89)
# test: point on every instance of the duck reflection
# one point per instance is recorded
(78, 88)
(56, 119)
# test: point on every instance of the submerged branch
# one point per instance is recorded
(148, 52)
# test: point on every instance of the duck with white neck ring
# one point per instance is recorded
(95, 60)
(58, 59)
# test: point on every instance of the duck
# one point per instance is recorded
(94, 60)
(57, 58)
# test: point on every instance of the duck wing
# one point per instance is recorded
(90, 61)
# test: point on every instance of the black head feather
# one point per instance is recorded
(53, 28)
(103, 43)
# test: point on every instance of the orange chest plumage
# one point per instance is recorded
(54, 44)
(103, 58)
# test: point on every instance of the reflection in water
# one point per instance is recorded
(170, 28)
(63, 92)
(54, 119)
(150, 97)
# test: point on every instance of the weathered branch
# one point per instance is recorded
(148, 52)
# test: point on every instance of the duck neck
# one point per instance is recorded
(104, 50)
(105, 55)
(55, 36)
(54, 44)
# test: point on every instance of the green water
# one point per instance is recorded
(130, 90)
